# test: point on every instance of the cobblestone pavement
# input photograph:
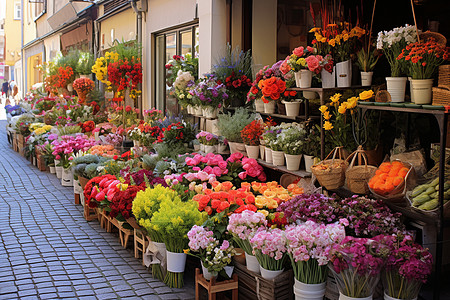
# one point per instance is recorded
(48, 250)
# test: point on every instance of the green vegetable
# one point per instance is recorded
(430, 190)
(429, 205)
(418, 190)
(434, 182)
(420, 200)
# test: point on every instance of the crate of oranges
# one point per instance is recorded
(389, 181)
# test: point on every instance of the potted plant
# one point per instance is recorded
(208, 140)
(307, 246)
(392, 42)
(366, 59)
(311, 147)
(292, 142)
(83, 86)
(231, 125)
(268, 136)
(292, 103)
(297, 62)
(327, 74)
(250, 136)
(422, 60)
(210, 95)
(271, 89)
(85, 63)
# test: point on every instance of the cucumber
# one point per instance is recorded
(430, 190)
(429, 205)
(434, 195)
(419, 200)
(434, 182)
(418, 190)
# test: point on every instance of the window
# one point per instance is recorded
(39, 7)
(17, 11)
(168, 44)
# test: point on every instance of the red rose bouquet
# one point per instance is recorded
(83, 86)
(87, 126)
(272, 88)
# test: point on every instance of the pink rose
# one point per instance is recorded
(207, 169)
(262, 177)
(217, 171)
(253, 172)
(196, 169)
(223, 164)
(299, 51)
(313, 63)
(242, 175)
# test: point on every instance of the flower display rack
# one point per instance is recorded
(90, 213)
(124, 233)
(140, 244)
(214, 287)
(283, 169)
(253, 286)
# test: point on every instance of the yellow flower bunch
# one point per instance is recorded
(366, 95)
(100, 68)
(134, 93)
(34, 126)
(42, 130)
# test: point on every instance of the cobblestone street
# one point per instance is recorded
(48, 250)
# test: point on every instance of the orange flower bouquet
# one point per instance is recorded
(272, 88)
(83, 86)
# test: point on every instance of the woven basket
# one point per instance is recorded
(441, 96)
(358, 176)
(444, 76)
(439, 38)
(331, 172)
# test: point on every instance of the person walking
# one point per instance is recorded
(5, 90)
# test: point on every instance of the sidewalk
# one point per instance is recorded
(48, 250)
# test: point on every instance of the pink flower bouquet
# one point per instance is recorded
(269, 247)
(243, 226)
(308, 246)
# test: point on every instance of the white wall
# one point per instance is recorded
(264, 32)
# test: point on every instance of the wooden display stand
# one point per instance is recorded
(21, 144)
(90, 213)
(214, 287)
(124, 233)
(77, 198)
(140, 244)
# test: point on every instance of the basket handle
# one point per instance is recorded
(337, 150)
(358, 153)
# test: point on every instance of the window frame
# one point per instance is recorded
(178, 31)
(42, 12)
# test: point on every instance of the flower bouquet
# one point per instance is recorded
(213, 255)
(83, 86)
(292, 142)
(152, 115)
(208, 140)
(251, 135)
(408, 265)
(271, 88)
(185, 63)
(173, 221)
(308, 247)
(184, 83)
(269, 247)
(210, 95)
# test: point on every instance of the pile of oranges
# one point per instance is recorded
(388, 177)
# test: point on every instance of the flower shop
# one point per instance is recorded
(304, 179)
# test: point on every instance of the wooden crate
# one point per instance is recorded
(40, 160)
(124, 233)
(214, 287)
(21, 144)
(15, 141)
(140, 244)
(253, 286)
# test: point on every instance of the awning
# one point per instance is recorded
(78, 35)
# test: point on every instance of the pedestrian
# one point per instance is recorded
(5, 90)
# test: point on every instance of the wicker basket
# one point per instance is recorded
(444, 76)
(358, 176)
(441, 96)
(439, 38)
(331, 172)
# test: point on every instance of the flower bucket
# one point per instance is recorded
(237, 147)
(269, 108)
(293, 161)
(343, 297)
(292, 108)
(262, 150)
(67, 177)
(259, 105)
(176, 262)
(210, 149)
(328, 79)
(207, 274)
(305, 78)
(396, 87)
(59, 171)
(52, 170)
(210, 112)
(268, 155)
(421, 90)
(366, 78)
(198, 111)
(109, 94)
(270, 275)
(278, 158)
(387, 297)
(85, 76)
(221, 148)
(252, 151)
(309, 161)
(309, 291)
(310, 95)
(344, 73)
(297, 76)
(70, 87)
(252, 263)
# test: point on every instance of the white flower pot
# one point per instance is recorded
(297, 76)
(210, 149)
(82, 200)
(309, 291)
(210, 112)
(97, 136)
(269, 108)
(343, 297)
(176, 262)
(344, 73)
(366, 78)
(292, 108)
(259, 105)
(268, 155)
(67, 177)
(293, 161)
(207, 274)
(202, 147)
(198, 111)
(229, 270)
(252, 151)
(59, 171)
(269, 275)
(421, 90)
(387, 297)
(237, 147)
(221, 148)
(305, 78)
(278, 158)
(262, 150)
(196, 147)
(328, 79)
(396, 87)
(70, 87)
(309, 162)
(34, 161)
(252, 263)
(52, 170)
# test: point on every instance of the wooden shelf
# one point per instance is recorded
(437, 112)
(283, 169)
